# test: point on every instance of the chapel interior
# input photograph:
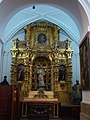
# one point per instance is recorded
(44, 60)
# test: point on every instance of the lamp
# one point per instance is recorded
(33, 7)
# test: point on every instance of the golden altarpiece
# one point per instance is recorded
(42, 49)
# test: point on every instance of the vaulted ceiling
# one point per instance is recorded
(70, 15)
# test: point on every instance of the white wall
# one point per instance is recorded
(1, 61)
(86, 96)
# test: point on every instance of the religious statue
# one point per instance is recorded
(62, 72)
(41, 74)
(20, 73)
(77, 93)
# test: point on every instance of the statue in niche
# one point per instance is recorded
(41, 74)
(20, 73)
(62, 73)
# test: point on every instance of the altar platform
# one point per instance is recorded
(42, 108)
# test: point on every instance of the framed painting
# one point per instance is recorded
(20, 72)
(85, 62)
(62, 73)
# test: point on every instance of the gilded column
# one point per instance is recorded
(30, 79)
(55, 80)
(26, 74)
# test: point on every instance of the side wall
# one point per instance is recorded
(85, 111)
(85, 104)
(1, 61)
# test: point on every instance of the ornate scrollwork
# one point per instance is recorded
(49, 52)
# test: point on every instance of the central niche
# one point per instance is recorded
(45, 64)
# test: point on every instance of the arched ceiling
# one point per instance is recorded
(68, 14)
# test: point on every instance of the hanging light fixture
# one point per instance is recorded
(33, 6)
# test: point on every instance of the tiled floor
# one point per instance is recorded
(64, 119)
(67, 119)
(56, 119)
(50, 119)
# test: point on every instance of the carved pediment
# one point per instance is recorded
(41, 34)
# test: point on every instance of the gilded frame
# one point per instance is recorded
(85, 62)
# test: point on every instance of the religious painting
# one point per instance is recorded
(62, 73)
(20, 72)
(41, 38)
(85, 62)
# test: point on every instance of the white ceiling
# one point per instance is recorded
(70, 15)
